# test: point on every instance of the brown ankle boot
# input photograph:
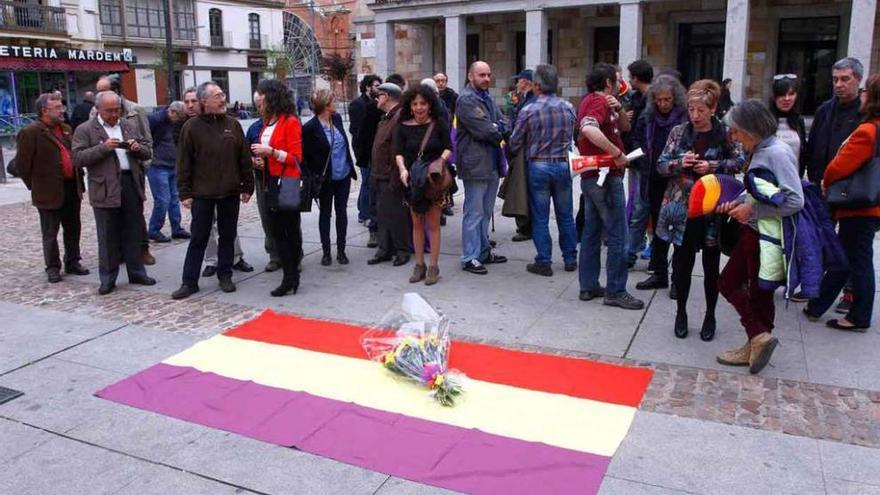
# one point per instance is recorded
(418, 273)
(762, 346)
(433, 275)
(736, 357)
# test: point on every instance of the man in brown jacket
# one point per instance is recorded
(46, 167)
(214, 172)
(392, 217)
(112, 151)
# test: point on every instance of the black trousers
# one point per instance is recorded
(659, 248)
(334, 194)
(67, 217)
(394, 220)
(203, 211)
(286, 230)
(683, 266)
(120, 232)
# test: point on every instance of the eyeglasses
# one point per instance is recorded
(778, 77)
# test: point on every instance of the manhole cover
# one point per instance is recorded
(7, 394)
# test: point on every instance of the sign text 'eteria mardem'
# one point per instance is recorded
(125, 55)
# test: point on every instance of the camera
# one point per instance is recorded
(125, 145)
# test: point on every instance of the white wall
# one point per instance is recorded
(239, 88)
(235, 21)
(146, 87)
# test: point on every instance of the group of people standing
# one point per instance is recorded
(408, 139)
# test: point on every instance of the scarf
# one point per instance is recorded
(659, 121)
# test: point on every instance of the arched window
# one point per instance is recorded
(254, 26)
(215, 25)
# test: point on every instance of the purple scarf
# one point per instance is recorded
(660, 121)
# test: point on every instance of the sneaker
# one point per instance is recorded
(589, 295)
(540, 269)
(494, 259)
(159, 237)
(243, 266)
(475, 267)
(844, 304)
(624, 300)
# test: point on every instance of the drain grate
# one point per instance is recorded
(7, 394)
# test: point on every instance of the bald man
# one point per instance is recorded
(481, 129)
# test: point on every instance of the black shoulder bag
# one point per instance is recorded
(861, 189)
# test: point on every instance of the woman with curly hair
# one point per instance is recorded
(279, 154)
(698, 147)
(422, 135)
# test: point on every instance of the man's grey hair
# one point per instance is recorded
(103, 95)
(177, 107)
(43, 101)
(202, 91)
(547, 78)
(431, 84)
(752, 118)
(191, 89)
(850, 63)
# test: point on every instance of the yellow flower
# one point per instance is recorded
(438, 380)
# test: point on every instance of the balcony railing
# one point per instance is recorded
(260, 42)
(221, 40)
(21, 16)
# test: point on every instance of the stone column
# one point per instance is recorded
(736, 41)
(385, 51)
(456, 56)
(861, 32)
(630, 44)
(536, 38)
(427, 49)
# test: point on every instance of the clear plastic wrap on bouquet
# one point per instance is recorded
(413, 341)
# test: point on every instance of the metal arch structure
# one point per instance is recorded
(303, 52)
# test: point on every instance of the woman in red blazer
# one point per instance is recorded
(280, 148)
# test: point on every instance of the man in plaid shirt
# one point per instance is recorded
(544, 130)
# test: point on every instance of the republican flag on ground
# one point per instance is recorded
(528, 423)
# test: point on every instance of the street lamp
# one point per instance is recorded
(171, 91)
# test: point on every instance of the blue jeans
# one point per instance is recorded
(479, 205)
(638, 220)
(163, 185)
(857, 236)
(551, 180)
(363, 201)
(604, 209)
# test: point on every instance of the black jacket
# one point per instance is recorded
(363, 143)
(316, 148)
(819, 152)
(356, 111)
(81, 113)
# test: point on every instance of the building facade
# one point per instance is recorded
(748, 42)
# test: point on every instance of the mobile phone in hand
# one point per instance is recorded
(124, 145)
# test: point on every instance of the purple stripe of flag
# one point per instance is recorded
(465, 460)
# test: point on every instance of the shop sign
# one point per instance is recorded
(47, 53)
(257, 61)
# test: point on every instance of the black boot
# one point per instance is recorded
(707, 333)
(653, 282)
(326, 260)
(341, 257)
(681, 324)
(286, 287)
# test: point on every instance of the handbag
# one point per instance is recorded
(861, 189)
(439, 179)
(284, 193)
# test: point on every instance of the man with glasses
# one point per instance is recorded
(214, 173)
(447, 94)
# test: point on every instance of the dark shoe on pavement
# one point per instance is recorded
(326, 260)
(342, 258)
(798, 297)
(475, 267)
(285, 288)
(540, 269)
(76, 269)
(848, 326)
(142, 281)
(589, 295)
(494, 259)
(673, 292)
(159, 237)
(844, 304)
(226, 285)
(375, 260)
(149, 260)
(243, 266)
(653, 282)
(105, 289)
(209, 271)
(707, 333)
(54, 276)
(810, 316)
(571, 266)
(374, 240)
(400, 260)
(181, 234)
(521, 237)
(681, 324)
(183, 292)
(624, 301)
(272, 266)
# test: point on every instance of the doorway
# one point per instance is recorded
(808, 48)
(701, 51)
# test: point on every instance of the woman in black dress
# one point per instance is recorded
(419, 116)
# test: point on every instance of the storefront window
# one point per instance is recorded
(7, 96)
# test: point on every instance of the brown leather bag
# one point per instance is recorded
(439, 176)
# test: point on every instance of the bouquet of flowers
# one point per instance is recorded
(413, 342)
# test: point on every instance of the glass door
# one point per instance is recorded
(808, 48)
(701, 51)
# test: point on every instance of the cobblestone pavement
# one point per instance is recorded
(846, 415)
